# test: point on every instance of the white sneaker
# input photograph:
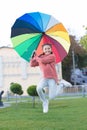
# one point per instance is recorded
(45, 106)
(65, 83)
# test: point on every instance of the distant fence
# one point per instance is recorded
(78, 90)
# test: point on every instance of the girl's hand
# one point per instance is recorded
(57, 83)
(37, 58)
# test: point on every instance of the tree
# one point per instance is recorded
(16, 89)
(66, 67)
(32, 92)
(83, 42)
(82, 61)
(79, 53)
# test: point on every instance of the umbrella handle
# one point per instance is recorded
(34, 54)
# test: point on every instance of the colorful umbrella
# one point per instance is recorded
(31, 30)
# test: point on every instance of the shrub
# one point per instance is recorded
(21, 92)
(16, 88)
(32, 90)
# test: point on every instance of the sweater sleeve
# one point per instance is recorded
(34, 63)
(47, 59)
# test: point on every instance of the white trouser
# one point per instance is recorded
(52, 86)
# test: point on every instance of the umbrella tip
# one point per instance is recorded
(43, 33)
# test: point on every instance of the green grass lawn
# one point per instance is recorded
(65, 114)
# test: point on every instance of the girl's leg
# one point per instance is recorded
(40, 86)
(52, 88)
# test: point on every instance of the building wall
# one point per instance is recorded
(15, 69)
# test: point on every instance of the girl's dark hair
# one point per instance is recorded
(47, 44)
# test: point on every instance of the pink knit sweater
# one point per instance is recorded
(46, 64)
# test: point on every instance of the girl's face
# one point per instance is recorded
(47, 49)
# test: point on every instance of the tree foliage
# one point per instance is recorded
(66, 67)
(32, 92)
(83, 42)
(82, 61)
(16, 88)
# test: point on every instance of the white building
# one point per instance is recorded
(15, 69)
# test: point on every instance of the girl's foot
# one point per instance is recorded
(45, 106)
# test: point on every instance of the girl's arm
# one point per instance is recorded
(34, 63)
(47, 59)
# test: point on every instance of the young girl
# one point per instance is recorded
(46, 62)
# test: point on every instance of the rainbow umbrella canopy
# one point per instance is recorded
(32, 30)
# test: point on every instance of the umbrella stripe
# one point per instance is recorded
(31, 20)
(26, 44)
(57, 27)
(58, 50)
(21, 27)
(58, 57)
(27, 55)
(51, 23)
(41, 18)
(61, 34)
(63, 42)
(22, 38)
(36, 16)
(45, 20)
(24, 24)
(58, 41)
(20, 31)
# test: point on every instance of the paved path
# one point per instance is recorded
(5, 105)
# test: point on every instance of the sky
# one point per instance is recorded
(72, 13)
